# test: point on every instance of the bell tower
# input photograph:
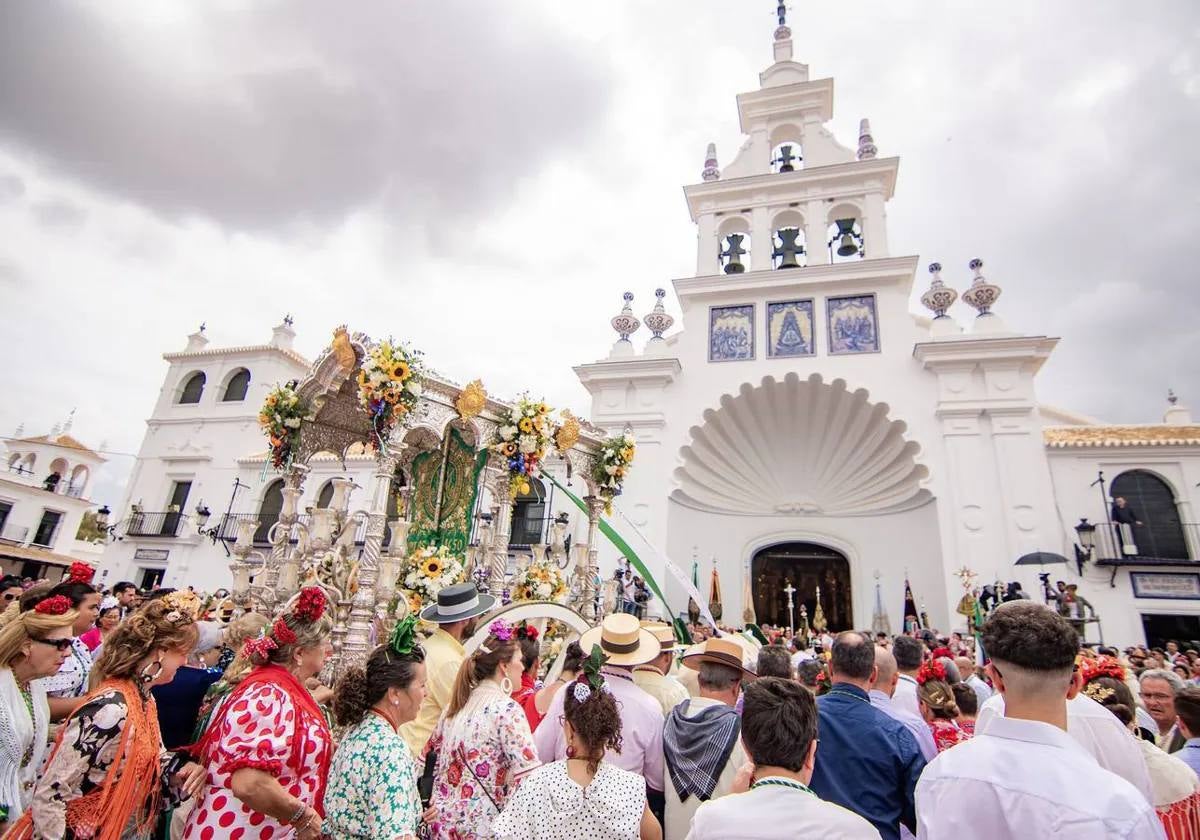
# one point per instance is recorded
(793, 196)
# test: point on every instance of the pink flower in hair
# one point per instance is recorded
(502, 630)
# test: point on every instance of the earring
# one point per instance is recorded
(506, 685)
(570, 752)
(147, 675)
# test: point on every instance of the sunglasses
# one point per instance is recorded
(60, 644)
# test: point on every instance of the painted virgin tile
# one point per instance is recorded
(731, 333)
(853, 324)
(790, 329)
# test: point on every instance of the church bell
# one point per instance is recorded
(848, 247)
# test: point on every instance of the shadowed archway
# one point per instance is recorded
(806, 566)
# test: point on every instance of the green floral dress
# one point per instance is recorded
(372, 790)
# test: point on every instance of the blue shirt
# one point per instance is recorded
(867, 761)
(1190, 754)
(916, 726)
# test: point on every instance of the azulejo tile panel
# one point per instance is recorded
(790, 329)
(853, 324)
(731, 333)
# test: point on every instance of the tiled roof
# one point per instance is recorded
(1065, 437)
(61, 440)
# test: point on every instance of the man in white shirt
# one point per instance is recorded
(779, 732)
(1022, 774)
(966, 667)
(881, 698)
(910, 654)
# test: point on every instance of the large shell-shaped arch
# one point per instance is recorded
(800, 447)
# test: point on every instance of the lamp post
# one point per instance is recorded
(1086, 533)
(103, 526)
(203, 514)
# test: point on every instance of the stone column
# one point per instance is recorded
(502, 530)
(357, 644)
(816, 233)
(590, 594)
(281, 549)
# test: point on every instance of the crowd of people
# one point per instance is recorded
(127, 714)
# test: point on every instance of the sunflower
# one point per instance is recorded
(400, 370)
(432, 567)
(509, 449)
(526, 425)
(543, 408)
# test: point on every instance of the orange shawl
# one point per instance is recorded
(132, 782)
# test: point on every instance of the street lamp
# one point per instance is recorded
(1086, 532)
(202, 516)
(102, 520)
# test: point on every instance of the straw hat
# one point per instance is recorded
(665, 634)
(622, 639)
(720, 651)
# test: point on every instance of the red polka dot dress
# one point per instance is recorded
(258, 732)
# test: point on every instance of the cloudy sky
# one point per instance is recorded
(486, 179)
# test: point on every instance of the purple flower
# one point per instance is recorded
(482, 769)
(502, 630)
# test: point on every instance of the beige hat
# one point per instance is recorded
(622, 640)
(665, 634)
(720, 651)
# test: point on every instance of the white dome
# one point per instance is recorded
(800, 447)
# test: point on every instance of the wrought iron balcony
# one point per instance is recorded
(1151, 546)
(158, 524)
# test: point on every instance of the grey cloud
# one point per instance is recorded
(426, 109)
(11, 188)
(59, 214)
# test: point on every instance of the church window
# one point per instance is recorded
(1152, 501)
(269, 510)
(529, 515)
(193, 389)
(238, 385)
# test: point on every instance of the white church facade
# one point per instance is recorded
(805, 428)
(800, 427)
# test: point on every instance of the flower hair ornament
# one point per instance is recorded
(500, 629)
(310, 606)
(58, 605)
(934, 669)
(1104, 667)
(404, 636)
(80, 573)
(283, 634)
(1098, 692)
(525, 631)
(590, 679)
(182, 606)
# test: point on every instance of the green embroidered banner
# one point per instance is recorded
(445, 518)
(425, 470)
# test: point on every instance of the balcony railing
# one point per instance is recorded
(159, 524)
(16, 534)
(1150, 545)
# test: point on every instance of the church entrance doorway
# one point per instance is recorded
(806, 566)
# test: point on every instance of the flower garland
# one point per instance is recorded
(524, 434)
(389, 384)
(541, 580)
(280, 419)
(616, 454)
(427, 571)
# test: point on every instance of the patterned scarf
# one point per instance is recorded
(697, 748)
(131, 788)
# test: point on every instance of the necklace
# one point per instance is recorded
(777, 781)
(27, 696)
(848, 694)
(385, 718)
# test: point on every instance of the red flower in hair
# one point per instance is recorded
(528, 632)
(310, 606)
(931, 670)
(58, 605)
(80, 573)
(1106, 666)
(942, 652)
(283, 634)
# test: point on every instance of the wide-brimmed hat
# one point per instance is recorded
(456, 603)
(665, 634)
(719, 651)
(622, 639)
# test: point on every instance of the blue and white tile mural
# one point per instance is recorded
(790, 329)
(853, 324)
(731, 333)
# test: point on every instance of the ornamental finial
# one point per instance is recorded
(982, 294)
(1171, 397)
(658, 321)
(624, 322)
(866, 143)
(710, 171)
(939, 296)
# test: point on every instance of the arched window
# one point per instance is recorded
(269, 510)
(29, 463)
(326, 495)
(529, 515)
(193, 389)
(13, 459)
(236, 388)
(1152, 503)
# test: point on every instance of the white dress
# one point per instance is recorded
(23, 742)
(550, 805)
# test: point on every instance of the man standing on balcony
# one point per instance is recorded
(1124, 519)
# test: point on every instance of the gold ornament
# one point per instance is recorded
(471, 400)
(568, 433)
(342, 350)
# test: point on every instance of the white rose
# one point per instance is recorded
(508, 432)
(413, 387)
(292, 422)
(611, 470)
(528, 444)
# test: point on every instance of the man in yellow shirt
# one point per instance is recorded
(654, 677)
(455, 615)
